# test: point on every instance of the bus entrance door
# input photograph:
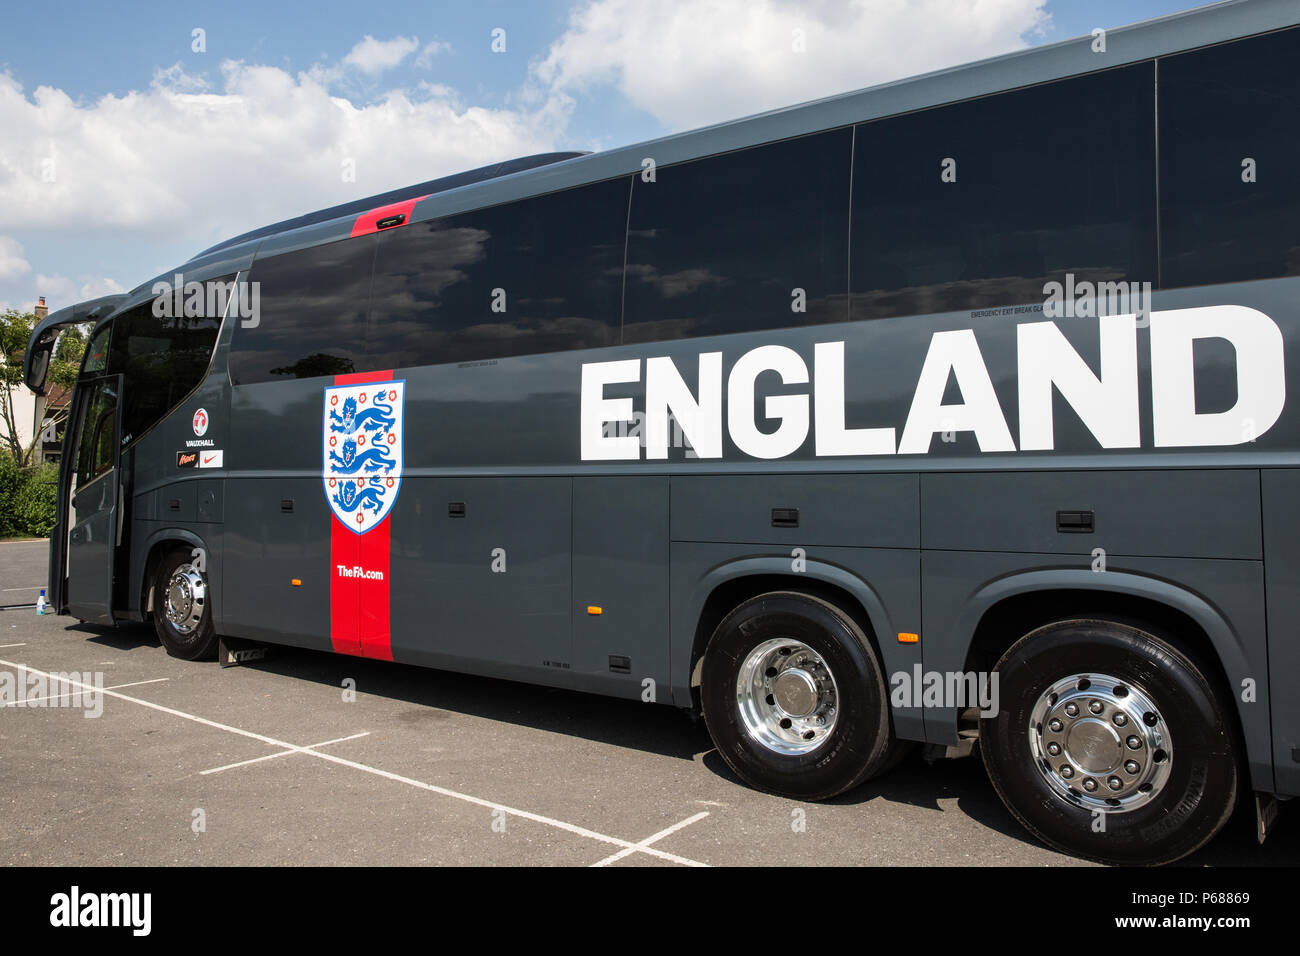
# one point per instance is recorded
(94, 504)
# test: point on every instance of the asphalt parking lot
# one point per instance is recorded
(426, 767)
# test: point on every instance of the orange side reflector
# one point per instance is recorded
(905, 638)
(592, 609)
(296, 582)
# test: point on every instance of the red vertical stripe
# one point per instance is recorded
(376, 639)
(344, 619)
(359, 606)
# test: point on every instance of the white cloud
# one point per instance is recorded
(200, 166)
(12, 263)
(19, 288)
(693, 62)
(191, 160)
(430, 51)
(64, 290)
(374, 56)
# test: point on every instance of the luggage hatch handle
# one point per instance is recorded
(1074, 522)
(785, 517)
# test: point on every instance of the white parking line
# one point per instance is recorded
(34, 587)
(282, 753)
(398, 778)
(24, 644)
(27, 701)
(628, 851)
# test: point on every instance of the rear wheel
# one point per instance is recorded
(1110, 743)
(182, 613)
(795, 699)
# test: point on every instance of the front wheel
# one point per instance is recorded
(182, 611)
(1110, 743)
(795, 699)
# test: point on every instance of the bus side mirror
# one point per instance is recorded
(40, 345)
(38, 364)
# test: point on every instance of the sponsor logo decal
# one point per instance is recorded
(362, 452)
(211, 459)
(356, 571)
(187, 459)
(201, 422)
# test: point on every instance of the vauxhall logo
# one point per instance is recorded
(1107, 403)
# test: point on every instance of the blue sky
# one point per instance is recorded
(123, 151)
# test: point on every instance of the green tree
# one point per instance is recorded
(15, 329)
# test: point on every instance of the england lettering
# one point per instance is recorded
(1107, 403)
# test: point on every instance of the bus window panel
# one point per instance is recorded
(163, 358)
(719, 245)
(105, 432)
(95, 448)
(313, 314)
(980, 203)
(96, 355)
(539, 275)
(86, 447)
(1220, 107)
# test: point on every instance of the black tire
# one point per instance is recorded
(1194, 801)
(198, 642)
(861, 742)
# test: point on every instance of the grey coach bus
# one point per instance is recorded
(950, 410)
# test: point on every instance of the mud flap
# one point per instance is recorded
(233, 651)
(1266, 813)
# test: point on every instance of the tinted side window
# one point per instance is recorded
(95, 358)
(1043, 181)
(1218, 108)
(313, 314)
(163, 358)
(94, 453)
(718, 245)
(557, 260)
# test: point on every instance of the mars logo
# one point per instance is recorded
(362, 451)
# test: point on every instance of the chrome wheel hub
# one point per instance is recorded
(186, 598)
(1100, 742)
(786, 696)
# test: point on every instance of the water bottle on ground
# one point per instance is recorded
(40, 602)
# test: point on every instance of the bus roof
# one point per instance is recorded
(552, 172)
(358, 206)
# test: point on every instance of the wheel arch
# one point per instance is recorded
(731, 584)
(1007, 609)
(155, 546)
